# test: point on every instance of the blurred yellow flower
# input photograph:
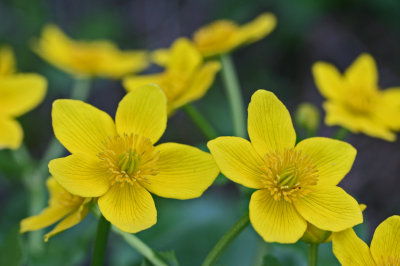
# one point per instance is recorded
(186, 77)
(354, 100)
(120, 164)
(19, 93)
(64, 206)
(87, 58)
(295, 184)
(385, 246)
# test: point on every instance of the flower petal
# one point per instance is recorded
(333, 158)
(185, 172)
(328, 80)
(258, 28)
(275, 220)
(80, 175)
(351, 250)
(237, 160)
(329, 208)
(144, 112)
(81, 127)
(11, 133)
(7, 61)
(184, 57)
(385, 245)
(47, 217)
(130, 207)
(270, 126)
(363, 73)
(131, 83)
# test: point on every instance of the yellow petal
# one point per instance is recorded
(351, 250)
(184, 57)
(392, 96)
(385, 245)
(332, 158)
(47, 217)
(130, 207)
(328, 80)
(329, 208)
(133, 82)
(80, 127)
(7, 61)
(269, 124)
(160, 56)
(11, 133)
(117, 64)
(258, 28)
(143, 112)
(21, 93)
(275, 220)
(185, 172)
(237, 160)
(81, 175)
(362, 74)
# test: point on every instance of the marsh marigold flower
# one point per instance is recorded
(186, 77)
(385, 246)
(64, 206)
(19, 93)
(296, 184)
(119, 163)
(87, 58)
(354, 100)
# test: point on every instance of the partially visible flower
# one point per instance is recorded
(296, 184)
(384, 249)
(354, 100)
(87, 58)
(7, 61)
(119, 163)
(186, 77)
(64, 206)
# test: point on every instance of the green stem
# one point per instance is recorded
(200, 121)
(234, 95)
(100, 244)
(226, 240)
(312, 254)
(81, 89)
(341, 134)
(141, 247)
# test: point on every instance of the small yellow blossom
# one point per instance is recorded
(119, 163)
(64, 206)
(354, 100)
(7, 61)
(87, 58)
(385, 246)
(296, 184)
(186, 77)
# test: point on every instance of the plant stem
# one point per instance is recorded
(226, 240)
(100, 244)
(312, 254)
(81, 89)
(200, 122)
(141, 247)
(234, 95)
(341, 134)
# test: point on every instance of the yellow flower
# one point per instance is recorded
(186, 77)
(19, 93)
(223, 36)
(354, 100)
(64, 206)
(88, 58)
(295, 184)
(120, 164)
(385, 246)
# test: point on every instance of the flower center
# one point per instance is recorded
(129, 159)
(289, 174)
(361, 101)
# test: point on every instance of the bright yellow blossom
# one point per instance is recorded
(63, 206)
(295, 184)
(88, 58)
(186, 77)
(119, 163)
(354, 100)
(385, 246)
(19, 93)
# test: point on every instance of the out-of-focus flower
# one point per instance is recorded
(354, 100)
(87, 58)
(19, 93)
(385, 246)
(120, 164)
(186, 77)
(308, 117)
(295, 185)
(64, 206)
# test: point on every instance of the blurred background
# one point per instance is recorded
(307, 31)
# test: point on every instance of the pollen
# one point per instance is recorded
(129, 159)
(289, 174)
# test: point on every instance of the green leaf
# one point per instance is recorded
(270, 260)
(11, 252)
